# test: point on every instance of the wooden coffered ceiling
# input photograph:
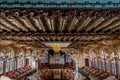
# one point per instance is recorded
(79, 26)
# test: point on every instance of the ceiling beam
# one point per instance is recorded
(116, 28)
(5, 22)
(36, 23)
(41, 24)
(4, 27)
(17, 23)
(70, 38)
(27, 23)
(61, 20)
(65, 38)
(76, 38)
(41, 38)
(85, 23)
(50, 23)
(115, 24)
(12, 22)
(96, 23)
(58, 38)
(73, 23)
(63, 24)
(30, 25)
(53, 38)
(35, 38)
(109, 21)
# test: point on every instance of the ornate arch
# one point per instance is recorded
(3, 49)
(106, 49)
(28, 52)
(21, 50)
(6, 49)
(117, 50)
(93, 52)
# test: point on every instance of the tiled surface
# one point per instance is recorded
(60, 3)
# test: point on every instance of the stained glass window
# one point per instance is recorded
(7, 65)
(104, 54)
(106, 61)
(94, 61)
(100, 65)
(11, 59)
(113, 63)
(90, 62)
(1, 62)
(10, 64)
(20, 60)
(119, 61)
(107, 65)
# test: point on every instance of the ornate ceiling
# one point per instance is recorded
(80, 26)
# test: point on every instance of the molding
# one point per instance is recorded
(32, 12)
(31, 34)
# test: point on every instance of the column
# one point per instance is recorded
(76, 70)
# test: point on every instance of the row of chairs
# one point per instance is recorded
(67, 75)
(16, 74)
(46, 74)
(43, 65)
(95, 72)
(70, 65)
(49, 74)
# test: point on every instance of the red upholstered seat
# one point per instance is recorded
(18, 72)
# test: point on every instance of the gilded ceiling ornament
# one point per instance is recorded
(56, 47)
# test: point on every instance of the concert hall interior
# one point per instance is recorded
(59, 40)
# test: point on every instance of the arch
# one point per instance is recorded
(93, 52)
(19, 52)
(20, 58)
(1, 62)
(9, 48)
(28, 52)
(117, 51)
(10, 52)
(93, 49)
(33, 52)
(3, 50)
(2, 54)
(106, 49)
